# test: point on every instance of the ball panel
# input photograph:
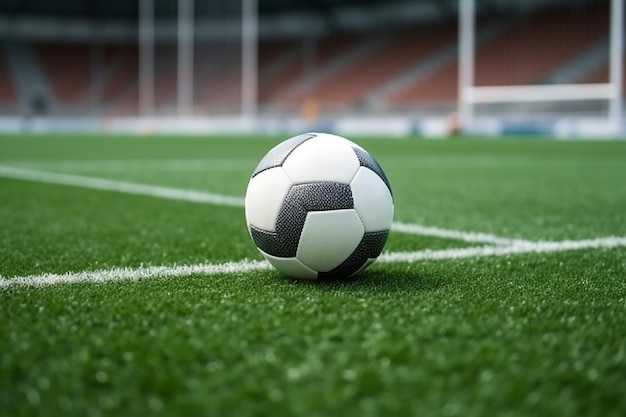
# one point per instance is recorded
(336, 138)
(291, 267)
(277, 155)
(281, 238)
(328, 238)
(264, 198)
(322, 196)
(324, 158)
(365, 266)
(372, 200)
(366, 252)
(283, 245)
(373, 243)
(368, 161)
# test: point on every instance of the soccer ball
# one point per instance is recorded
(319, 206)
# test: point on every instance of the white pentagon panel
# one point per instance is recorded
(291, 267)
(323, 158)
(328, 238)
(372, 200)
(330, 136)
(339, 138)
(264, 197)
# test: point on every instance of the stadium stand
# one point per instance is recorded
(309, 87)
(275, 57)
(8, 95)
(295, 82)
(68, 69)
(341, 72)
(28, 78)
(119, 93)
(166, 73)
(217, 69)
(391, 59)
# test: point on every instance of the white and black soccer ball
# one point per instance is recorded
(319, 206)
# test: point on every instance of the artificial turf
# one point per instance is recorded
(512, 335)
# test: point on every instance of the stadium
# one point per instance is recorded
(131, 133)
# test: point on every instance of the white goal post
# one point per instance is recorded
(471, 95)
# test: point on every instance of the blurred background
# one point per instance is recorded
(396, 67)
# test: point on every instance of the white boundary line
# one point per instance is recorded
(514, 249)
(217, 199)
(132, 165)
(503, 246)
(133, 274)
(120, 186)
(418, 229)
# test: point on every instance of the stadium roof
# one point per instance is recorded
(128, 9)
(116, 20)
(98, 9)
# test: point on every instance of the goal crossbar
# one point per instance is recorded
(471, 95)
(535, 93)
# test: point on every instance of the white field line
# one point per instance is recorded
(218, 199)
(121, 186)
(133, 165)
(418, 229)
(120, 274)
(513, 249)
(133, 274)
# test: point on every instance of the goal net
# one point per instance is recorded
(551, 67)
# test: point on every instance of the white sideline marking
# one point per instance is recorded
(133, 274)
(132, 165)
(218, 199)
(418, 229)
(121, 186)
(513, 249)
(119, 274)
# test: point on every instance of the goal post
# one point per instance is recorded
(528, 96)
(616, 61)
(196, 61)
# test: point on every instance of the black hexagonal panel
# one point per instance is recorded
(299, 201)
(368, 161)
(320, 196)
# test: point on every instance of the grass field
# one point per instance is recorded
(501, 291)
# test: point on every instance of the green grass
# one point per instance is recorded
(533, 334)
